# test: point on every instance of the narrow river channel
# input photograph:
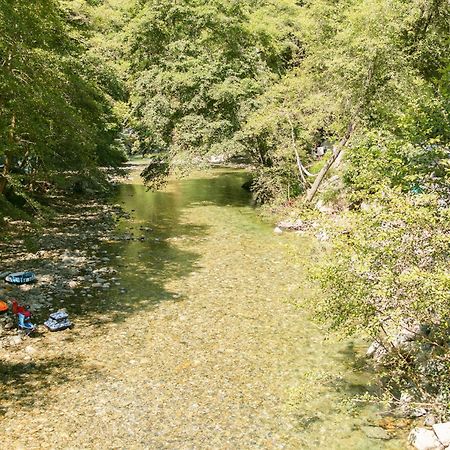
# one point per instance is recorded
(202, 343)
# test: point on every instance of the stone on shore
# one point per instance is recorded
(15, 340)
(423, 439)
(30, 350)
(429, 420)
(442, 431)
(291, 225)
(322, 236)
(377, 351)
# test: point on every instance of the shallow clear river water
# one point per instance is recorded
(204, 340)
(202, 237)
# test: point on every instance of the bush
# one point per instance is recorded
(390, 266)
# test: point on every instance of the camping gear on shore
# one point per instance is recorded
(58, 321)
(21, 277)
(23, 317)
(3, 307)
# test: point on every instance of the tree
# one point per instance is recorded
(55, 115)
(195, 66)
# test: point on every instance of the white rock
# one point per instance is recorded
(217, 159)
(322, 236)
(277, 230)
(291, 225)
(418, 412)
(424, 439)
(374, 346)
(97, 285)
(429, 421)
(442, 431)
(15, 340)
(30, 350)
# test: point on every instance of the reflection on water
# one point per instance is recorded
(151, 259)
(148, 259)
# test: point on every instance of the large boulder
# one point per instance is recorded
(424, 439)
(442, 431)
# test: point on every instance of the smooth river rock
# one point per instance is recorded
(442, 431)
(424, 439)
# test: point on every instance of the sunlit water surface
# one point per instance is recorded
(205, 228)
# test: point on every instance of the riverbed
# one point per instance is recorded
(201, 340)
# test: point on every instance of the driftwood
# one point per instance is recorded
(337, 153)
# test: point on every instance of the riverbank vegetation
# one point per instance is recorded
(57, 120)
(347, 102)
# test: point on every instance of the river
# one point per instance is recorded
(203, 341)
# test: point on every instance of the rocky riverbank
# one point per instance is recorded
(420, 347)
(65, 255)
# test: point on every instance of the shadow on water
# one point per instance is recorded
(143, 251)
(143, 265)
(26, 383)
(356, 382)
(146, 255)
(353, 356)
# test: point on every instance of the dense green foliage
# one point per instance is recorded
(387, 65)
(389, 274)
(55, 113)
(197, 67)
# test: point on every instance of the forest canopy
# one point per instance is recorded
(85, 83)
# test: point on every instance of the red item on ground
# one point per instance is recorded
(19, 309)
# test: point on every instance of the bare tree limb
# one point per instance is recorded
(337, 149)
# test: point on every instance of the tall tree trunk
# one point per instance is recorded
(8, 156)
(5, 172)
(337, 150)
